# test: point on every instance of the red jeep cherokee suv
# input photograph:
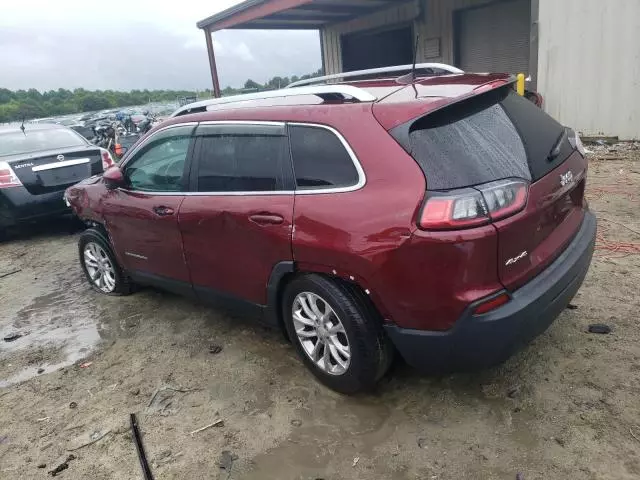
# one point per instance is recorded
(444, 219)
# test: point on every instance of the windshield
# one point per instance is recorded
(13, 143)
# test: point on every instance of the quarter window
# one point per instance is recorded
(159, 166)
(320, 160)
(241, 162)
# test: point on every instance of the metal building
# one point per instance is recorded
(583, 56)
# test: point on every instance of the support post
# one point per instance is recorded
(212, 63)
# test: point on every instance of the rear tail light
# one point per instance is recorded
(574, 140)
(107, 160)
(491, 304)
(473, 207)
(504, 197)
(8, 177)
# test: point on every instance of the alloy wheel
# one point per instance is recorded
(321, 333)
(99, 267)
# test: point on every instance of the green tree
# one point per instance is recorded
(5, 95)
(93, 102)
(251, 85)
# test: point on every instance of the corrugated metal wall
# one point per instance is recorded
(589, 64)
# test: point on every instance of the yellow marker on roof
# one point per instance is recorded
(520, 84)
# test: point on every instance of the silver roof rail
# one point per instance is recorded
(326, 92)
(374, 71)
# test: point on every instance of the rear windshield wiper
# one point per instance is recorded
(557, 147)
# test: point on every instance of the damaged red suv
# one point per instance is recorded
(443, 219)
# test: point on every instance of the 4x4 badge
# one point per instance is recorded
(566, 178)
(513, 260)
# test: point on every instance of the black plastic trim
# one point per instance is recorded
(272, 309)
(268, 314)
(169, 284)
(228, 302)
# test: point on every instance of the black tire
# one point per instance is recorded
(123, 284)
(371, 352)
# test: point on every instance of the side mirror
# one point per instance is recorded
(113, 178)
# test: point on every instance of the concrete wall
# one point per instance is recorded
(589, 64)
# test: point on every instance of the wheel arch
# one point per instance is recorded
(284, 272)
(100, 228)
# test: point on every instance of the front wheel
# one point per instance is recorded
(336, 332)
(100, 265)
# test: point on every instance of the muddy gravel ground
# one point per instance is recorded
(566, 407)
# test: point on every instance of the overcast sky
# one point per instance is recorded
(138, 44)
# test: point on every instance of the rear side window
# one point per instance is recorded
(241, 163)
(489, 137)
(320, 160)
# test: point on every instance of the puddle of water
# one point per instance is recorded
(57, 321)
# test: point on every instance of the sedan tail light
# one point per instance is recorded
(107, 159)
(472, 207)
(8, 177)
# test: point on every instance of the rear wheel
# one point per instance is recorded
(336, 332)
(100, 265)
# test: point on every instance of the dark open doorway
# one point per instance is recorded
(377, 49)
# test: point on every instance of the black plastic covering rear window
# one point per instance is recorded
(488, 137)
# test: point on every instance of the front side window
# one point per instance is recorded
(320, 160)
(159, 166)
(241, 162)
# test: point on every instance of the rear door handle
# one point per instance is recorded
(267, 219)
(163, 211)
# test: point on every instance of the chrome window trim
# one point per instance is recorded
(362, 178)
(243, 122)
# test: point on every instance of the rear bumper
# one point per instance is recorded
(485, 340)
(18, 205)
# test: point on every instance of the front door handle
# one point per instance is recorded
(163, 211)
(267, 219)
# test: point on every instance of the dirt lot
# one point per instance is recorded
(567, 407)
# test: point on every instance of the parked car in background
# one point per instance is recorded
(444, 219)
(37, 163)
